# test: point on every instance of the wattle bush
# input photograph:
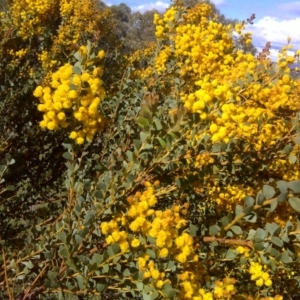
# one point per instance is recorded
(181, 177)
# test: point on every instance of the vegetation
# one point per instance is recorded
(163, 168)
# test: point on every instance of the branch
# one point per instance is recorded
(242, 215)
(210, 239)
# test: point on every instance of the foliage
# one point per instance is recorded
(190, 189)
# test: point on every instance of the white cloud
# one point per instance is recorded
(107, 3)
(276, 31)
(218, 2)
(158, 5)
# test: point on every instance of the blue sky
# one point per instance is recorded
(275, 19)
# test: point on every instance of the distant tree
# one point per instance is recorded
(141, 30)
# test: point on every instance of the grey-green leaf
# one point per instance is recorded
(295, 203)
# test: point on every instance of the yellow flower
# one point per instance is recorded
(155, 274)
(38, 92)
(80, 140)
(85, 77)
(101, 54)
(135, 243)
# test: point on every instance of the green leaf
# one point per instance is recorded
(292, 159)
(97, 258)
(273, 205)
(105, 268)
(214, 230)
(143, 136)
(168, 290)
(249, 201)
(260, 198)
(140, 286)
(126, 273)
(77, 70)
(260, 235)
(274, 252)
(129, 156)
(225, 221)
(276, 241)
(142, 122)
(285, 258)
(116, 248)
(230, 254)
(161, 142)
(297, 140)
(62, 236)
(137, 145)
(282, 185)
(67, 155)
(282, 197)
(80, 281)
(151, 253)
(258, 246)
(157, 125)
(11, 162)
(146, 296)
(237, 230)
(100, 287)
(193, 229)
(216, 148)
(77, 56)
(295, 203)
(154, 295)
(268, 191)
(238, 210)
(273, 228)
(294, 186)
(248, 210)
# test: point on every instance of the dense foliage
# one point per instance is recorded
(171, 172)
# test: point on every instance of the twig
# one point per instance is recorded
(6, 278)
(242, 215)
(35, 280)
(294, 232)
(210, 239)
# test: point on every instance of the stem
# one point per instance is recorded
(242, 215)
(6, 278)
(23, 259)
(35, 280)
(210, 239)
(294, 232)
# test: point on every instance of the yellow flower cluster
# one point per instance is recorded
(164, 226)
(73, 96)
(230, 195)
(115, 235)
(150, 271)
(234, 90)
(285, 169)
(225, 289)
(29, 15)
(190, 287)
(141, 55)
(163, 25)
(46, 60)
(243, 251)
(200, 160)
(259, 276)
(79, 18)
(277, 297)
(161, 59)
